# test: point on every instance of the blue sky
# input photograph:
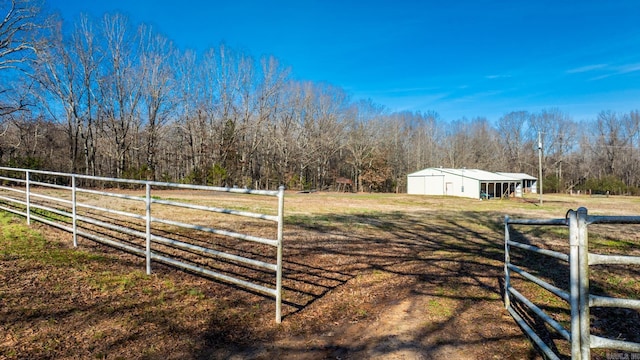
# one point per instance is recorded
(458, 58)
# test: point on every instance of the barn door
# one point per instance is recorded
(448, 188)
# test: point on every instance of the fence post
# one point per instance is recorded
(148, 227)
(507, 261)
(279, 255)
(583, 250)
(574, 284)
(28, 196)
(74, 211)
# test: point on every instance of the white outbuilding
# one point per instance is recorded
(471, 183)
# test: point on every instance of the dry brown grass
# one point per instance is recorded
(366, 276)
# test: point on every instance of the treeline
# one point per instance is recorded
(104, 97)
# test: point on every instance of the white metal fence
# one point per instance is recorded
(53, 199)
(578, 295)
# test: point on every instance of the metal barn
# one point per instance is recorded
(470, 183)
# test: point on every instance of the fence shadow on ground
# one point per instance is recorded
(447, 266)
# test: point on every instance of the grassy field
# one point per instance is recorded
(366, 276)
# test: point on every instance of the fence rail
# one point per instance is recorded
(67, 213)
(578, 295)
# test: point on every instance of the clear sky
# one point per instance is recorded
(459, 58)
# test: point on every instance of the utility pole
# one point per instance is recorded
(540, 166)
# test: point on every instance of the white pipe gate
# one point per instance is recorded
(23, 182)
(580, 300)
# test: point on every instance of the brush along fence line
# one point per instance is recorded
(188, 234)
(578, 296)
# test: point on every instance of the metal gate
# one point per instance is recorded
(52, 198)
(577, 296)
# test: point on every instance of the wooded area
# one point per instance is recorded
(110, 98)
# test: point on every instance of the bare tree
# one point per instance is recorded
(67, 72)
(483, 148)
(191, 126)
(157, 90)
(455, 146)
(557, 132)
(362, 136)
(120, 87)
(219, 114)
(632, 157)
(614, 138)
(331, 110)
(89, 57)
(307, 146)
(268, 95)
(284, 133)
(19, 44)
(395, 146)
(516, 144)
(425, 138)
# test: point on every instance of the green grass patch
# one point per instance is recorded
(109, 281)
(50, 215)
(197, 293)
(17, 240)
(440, 307)
(610, 243)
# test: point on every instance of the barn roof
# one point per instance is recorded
(520, 176)
(480, 175)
